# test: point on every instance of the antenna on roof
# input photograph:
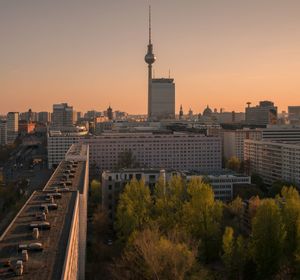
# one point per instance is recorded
(169, 73)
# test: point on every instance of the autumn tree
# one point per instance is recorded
(169, 198)
(202, 216)
(228, 250)
(268, 235)
(290, 205)
(236, 208)
(153, 255)
(133, 210)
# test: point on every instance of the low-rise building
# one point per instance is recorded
(113, 182)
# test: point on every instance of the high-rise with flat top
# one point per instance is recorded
(163, 99)
(62, 115)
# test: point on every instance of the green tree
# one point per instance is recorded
(133, 210)
(169, 198)
(202, 215)
(268, 235)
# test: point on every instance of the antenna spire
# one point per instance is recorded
(149, 24)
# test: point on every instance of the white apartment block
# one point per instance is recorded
(274, 160)
(190, 151)
(59, 143)
(233, 141)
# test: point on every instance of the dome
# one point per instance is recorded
(207, 112)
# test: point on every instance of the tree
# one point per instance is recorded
(259, 182)
(95, 193)
(228, 250)
(254, 203)
(234, 164)
(290, 205)
(169, 198)
(202, 216)
(133, 210)
(236, 207)
(268, 235)
(153, 255)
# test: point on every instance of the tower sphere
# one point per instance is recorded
(150, 58)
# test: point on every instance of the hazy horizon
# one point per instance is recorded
(90, 54)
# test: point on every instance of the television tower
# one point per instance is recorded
(150, 59)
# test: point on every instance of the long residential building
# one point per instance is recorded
(273, 161)
(47, 238)
(233, 141)
(177, 150)
(59, 143)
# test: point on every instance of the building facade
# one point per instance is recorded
(3, 133)
(59, 143)
(44, 117)
(162, 99)
(178, 150)
(294, 114)
(234, 141)
(12, 124)
(263, 114)
(63, 115)
(273, 161)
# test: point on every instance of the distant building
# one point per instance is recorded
(28, 116)
(162, 99)
(26, 127)
(273, 161)
(113, 182)
(3, 133)
(263, 114)
(12, 124)
(110, 113)
(233, 141)
(181, 113)
(294, 114)
(58, 144)
(62, 115)
(44, 117)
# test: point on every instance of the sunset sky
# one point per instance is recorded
(90, 53)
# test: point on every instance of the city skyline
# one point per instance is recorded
(71, 52)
